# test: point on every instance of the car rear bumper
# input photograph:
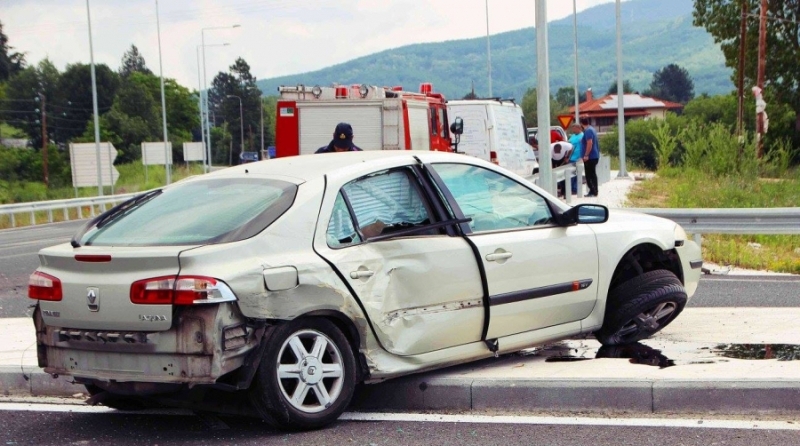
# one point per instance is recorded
(203, 344)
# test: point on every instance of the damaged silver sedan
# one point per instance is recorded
(292, 280)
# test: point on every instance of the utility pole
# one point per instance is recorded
(740, 80)
(762, 67)
(44, 140)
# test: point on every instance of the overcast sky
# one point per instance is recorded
(276, 37)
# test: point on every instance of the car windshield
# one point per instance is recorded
(198, 212)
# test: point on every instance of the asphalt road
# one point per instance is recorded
(43, 427)
(18, 248)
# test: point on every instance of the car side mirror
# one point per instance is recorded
(584, 214)
(592, 213)
(457, 127)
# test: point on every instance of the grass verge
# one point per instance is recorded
(689, 188)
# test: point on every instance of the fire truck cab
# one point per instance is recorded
(382, 118)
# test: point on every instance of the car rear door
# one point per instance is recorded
(421, 291)
(538, 274)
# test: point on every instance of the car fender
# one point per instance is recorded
(615, 238)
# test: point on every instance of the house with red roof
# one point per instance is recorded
(602, 112)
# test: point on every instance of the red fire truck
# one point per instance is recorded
(382, 118)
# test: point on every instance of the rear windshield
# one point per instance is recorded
(199, 212)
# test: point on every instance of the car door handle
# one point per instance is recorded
(361, 274)
(495, 256)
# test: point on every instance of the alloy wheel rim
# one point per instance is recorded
(650, 321)
(310, 371)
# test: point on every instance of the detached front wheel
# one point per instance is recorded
(641, 307)
(307, 376)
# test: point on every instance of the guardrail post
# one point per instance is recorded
(66, 214)
(80, 212)
(13, 221)
(568, 184)
(579, 166)
(50, 215)
(698, 238)
(33, 218)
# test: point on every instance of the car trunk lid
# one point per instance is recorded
(96, 285)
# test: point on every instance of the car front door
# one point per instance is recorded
(539, 274)
(422, 291)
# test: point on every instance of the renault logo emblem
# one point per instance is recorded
(93, 298)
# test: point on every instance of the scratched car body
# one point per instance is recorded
(291, 280)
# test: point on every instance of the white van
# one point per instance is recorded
(494, 130)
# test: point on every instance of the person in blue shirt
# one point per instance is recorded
(576, 139)
(591, 156)
(342, 140)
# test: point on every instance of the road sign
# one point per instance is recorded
(153, 153)
(83, 160)
(565, 120)
(192, 151)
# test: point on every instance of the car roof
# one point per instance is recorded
(309, 167)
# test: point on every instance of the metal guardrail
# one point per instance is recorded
(732, 221)
(34, 209)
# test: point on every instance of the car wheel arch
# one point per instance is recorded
(643, 258)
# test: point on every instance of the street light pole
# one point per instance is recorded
(241, 127)
(575, 31)
(94, 104)
(200, 106)
(167, 157)
(623, 173)
(488, 50)
(205, 85)
(203, 111)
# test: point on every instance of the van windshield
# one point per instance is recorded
(198, 212)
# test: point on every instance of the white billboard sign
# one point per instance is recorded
(153, 153)
(193, 151)
(83, 160)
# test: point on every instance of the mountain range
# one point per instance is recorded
(655, 33)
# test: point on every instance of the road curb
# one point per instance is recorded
(421, 393)
(32, 381)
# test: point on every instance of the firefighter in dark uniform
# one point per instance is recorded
(342, 140)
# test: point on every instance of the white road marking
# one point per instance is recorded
(755, 280)
(444, 418)
(579, 421)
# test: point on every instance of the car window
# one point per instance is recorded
(382, 204)
(341, 231)
(493, 201)
(197, 212)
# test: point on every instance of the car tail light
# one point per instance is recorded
(493, 157)
(43, 286)
(180, 290)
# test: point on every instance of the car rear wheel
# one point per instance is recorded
(307, 376)
(641, 307)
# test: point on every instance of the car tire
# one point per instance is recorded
(641, 307)
(290, 390)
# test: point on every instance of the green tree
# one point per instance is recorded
(626, 87)
(721, 18)
(565, 97)
(133, 62)
(11, 63)
(23, 105)
(672, 83)
(76, 85)
(238, 82)
(529, 107)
